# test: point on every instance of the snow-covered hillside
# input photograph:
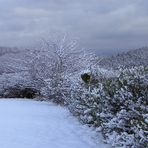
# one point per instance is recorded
(13, 60)
(32, 124)
(131, 58)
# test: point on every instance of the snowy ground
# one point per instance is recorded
(32, 124)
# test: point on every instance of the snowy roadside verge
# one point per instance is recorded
(33, 124)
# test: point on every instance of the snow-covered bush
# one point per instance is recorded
(118, 106)
(126, 101)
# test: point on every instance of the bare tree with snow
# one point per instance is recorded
(57, 62)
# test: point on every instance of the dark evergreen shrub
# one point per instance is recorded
(20, 92)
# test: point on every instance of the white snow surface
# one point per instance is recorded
(33, 124)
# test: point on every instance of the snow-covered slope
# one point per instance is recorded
(131, 58)
(12, 62)
(32, 124)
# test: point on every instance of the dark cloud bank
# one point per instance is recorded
(102, 25)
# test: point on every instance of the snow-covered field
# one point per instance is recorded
(32, 124)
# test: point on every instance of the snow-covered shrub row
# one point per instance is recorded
(118, 106)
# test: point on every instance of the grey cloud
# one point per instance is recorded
(100, 24)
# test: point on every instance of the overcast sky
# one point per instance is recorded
(100, 24)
